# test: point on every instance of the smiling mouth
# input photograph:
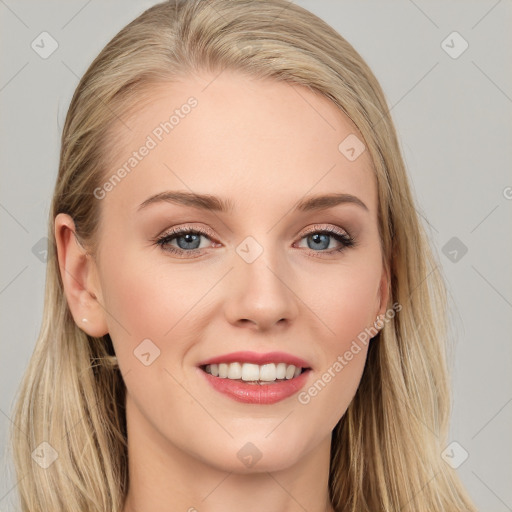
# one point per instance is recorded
(250, 373)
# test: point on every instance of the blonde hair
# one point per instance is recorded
(386, 449)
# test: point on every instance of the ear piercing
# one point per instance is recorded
(379, 323)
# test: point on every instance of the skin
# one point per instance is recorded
(263, 145)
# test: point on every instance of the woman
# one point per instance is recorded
(243, 311)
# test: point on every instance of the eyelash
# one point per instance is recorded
(344, 238)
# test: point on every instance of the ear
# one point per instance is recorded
(80, 279)
(384, 292)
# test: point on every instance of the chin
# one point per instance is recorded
(256, 454)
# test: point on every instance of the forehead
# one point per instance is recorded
(236, 137)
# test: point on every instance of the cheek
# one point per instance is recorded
(144, 301)
(346, 300)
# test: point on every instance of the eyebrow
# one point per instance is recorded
(217, 204)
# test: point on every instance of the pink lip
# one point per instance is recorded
(255, 358)
(263, 394)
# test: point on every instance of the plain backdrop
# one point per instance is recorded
(451, 99)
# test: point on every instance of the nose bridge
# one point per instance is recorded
(259, 263)
(259, 287)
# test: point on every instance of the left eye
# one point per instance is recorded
(320, 239)
(189, 241)
(186, 239)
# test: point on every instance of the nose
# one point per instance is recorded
(260, 294)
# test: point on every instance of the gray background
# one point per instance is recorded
(454, 121)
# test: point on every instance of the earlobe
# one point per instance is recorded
(79, 277)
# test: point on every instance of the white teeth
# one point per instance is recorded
(281, 370)
(223, 370)
(234, 371)
(290, 371)
(252, 372)
(268, 372)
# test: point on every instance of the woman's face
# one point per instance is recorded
(260, 277)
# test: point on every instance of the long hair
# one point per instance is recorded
(386, 449)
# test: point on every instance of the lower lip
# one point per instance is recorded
(257, 393)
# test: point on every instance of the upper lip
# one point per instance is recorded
(256, 358)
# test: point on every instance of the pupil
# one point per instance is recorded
(189, 239)
(317, 239)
